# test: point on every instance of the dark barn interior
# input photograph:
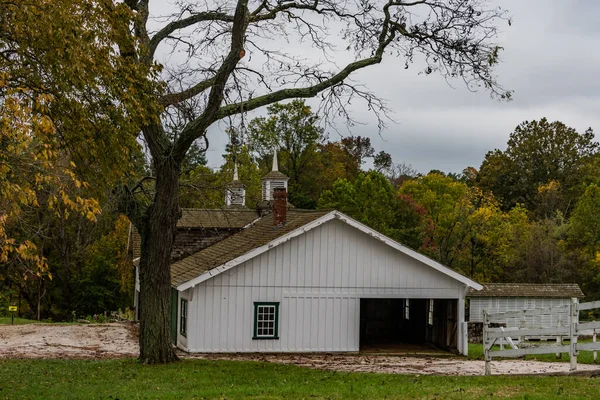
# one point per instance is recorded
(408, 325)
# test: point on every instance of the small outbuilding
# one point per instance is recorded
(503, 297)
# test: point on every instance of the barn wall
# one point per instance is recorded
(504, 304)
(318, 278)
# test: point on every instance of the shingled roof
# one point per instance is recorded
(274, 175)
(562, 290)
(232, 218)
(200, 218)
(258, 234)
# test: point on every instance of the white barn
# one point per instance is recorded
(305, 281)
(503, 297)
(323, 282)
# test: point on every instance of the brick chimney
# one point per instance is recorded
(279, 206)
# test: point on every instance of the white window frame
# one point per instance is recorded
(266, 320)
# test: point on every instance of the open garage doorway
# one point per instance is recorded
(408, 325)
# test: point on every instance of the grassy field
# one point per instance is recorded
(198, 379)
(18, 321)
(584, 357)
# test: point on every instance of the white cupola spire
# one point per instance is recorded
(273, 180)
(235, 194)
(235, 173)
(275, 164)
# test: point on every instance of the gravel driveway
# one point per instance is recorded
(116, 340)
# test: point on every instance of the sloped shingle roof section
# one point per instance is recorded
(234, 218)
(258, 234)
(200, 218)
(275, 175)
(561, 290)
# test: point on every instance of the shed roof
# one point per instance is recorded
(561, 290)
(235, 217)
(258, 234)
(232, 218)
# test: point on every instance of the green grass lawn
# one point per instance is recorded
(18, 321)
(197, 379)
(23, 321)
(584, 357)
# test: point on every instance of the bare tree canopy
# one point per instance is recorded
(228, 58)
(232, 64)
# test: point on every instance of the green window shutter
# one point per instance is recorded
(266, 320)
(183, 317)
(174, 298)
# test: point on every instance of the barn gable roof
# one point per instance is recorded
(262, 236)
(548, 290)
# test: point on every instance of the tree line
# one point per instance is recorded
(83, 83)
(529, 213)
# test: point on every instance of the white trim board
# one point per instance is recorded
(319, 221)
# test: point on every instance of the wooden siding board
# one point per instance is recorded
(496, 305)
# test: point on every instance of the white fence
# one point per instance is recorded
(573, 329)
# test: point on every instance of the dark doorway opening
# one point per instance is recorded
(408, 324)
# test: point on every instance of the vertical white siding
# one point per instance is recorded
(318, 278)
(504, 304)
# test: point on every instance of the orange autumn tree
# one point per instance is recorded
(65, 114)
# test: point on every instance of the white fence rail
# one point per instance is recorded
(574, 329)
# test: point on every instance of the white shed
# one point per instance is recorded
(503, 297)
(317, 282)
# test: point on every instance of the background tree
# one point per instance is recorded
(291, 129)
(371, 199)
(326, 164)
(67, 112)
(382, 162)
(448, 205)
(585, 221)
(538, 153)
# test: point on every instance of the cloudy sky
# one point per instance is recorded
(551, 61)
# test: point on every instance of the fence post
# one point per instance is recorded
(558, 339)
(573, 334)
(465, 339)
(595, 352)
(486, 342)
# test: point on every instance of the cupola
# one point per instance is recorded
(273, 180)
(235, 194)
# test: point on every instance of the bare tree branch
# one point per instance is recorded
(184, 23)
(198, 126)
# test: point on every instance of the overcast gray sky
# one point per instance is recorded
(551, 61)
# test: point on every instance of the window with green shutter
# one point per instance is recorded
(266, 320)
(183, 317)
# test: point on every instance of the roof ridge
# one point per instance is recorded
(224, 209)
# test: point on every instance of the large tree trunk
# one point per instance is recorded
(158, 233)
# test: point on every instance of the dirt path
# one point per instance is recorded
(120, 340)
(408, 365)
(94, 341)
